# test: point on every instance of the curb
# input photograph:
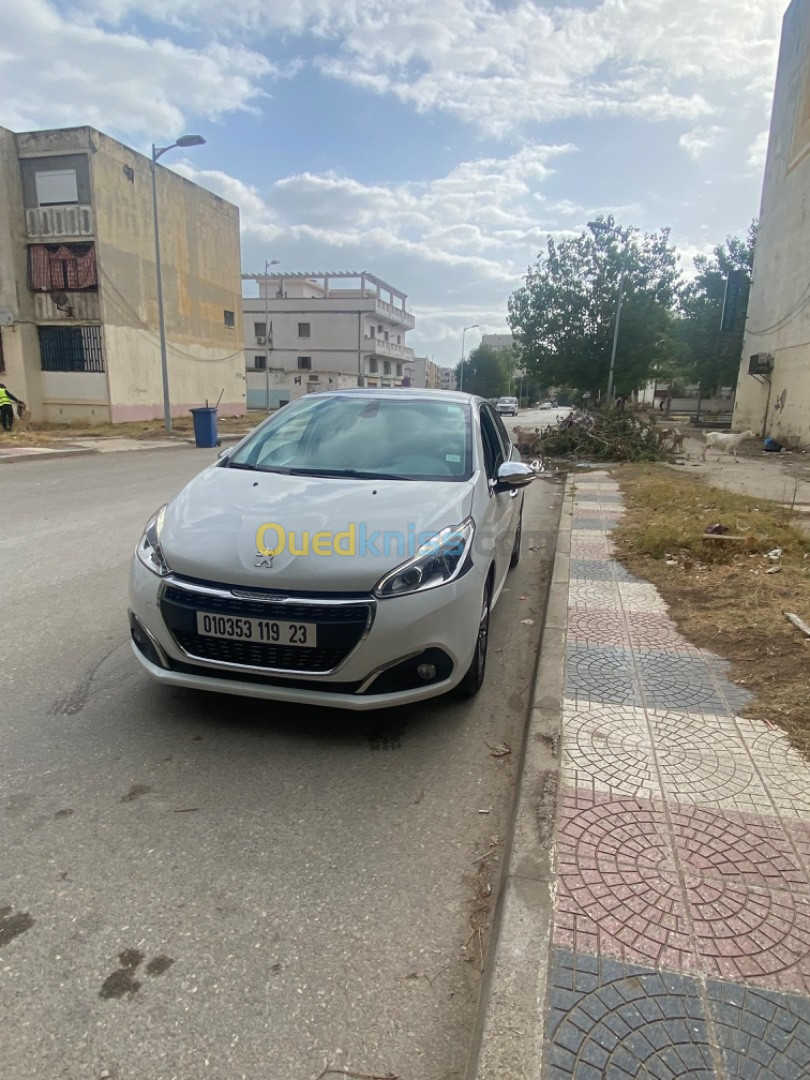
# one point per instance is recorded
(82, 451)
(508, 1036)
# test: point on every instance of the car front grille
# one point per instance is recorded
(340, 626)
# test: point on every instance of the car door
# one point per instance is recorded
(503, 507)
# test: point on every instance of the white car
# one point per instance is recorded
(507, 406)
(347, 552)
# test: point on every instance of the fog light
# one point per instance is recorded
(426, 671)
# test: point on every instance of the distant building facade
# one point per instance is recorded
(421, 372)
(447, 379)
(498, 341)
(79, 327)
(773, 390)
(323, 330)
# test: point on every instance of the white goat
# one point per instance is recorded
(725, 442)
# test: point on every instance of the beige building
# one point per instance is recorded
(322, 331)
(79, 327)
(447, 378)
(773, 391)
(422, 373)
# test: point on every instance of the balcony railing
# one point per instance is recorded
(59, 222)
(380, 347)
(395, 314)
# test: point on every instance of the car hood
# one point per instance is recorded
(210, 529)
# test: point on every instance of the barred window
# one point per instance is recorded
(71, 348)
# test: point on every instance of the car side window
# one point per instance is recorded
(503, 435)
(493, 451)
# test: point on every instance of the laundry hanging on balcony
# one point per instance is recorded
(62, 267)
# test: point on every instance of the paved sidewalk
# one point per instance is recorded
(678, 880)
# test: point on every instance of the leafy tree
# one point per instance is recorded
(709, 355)
(563, 316)
(486, 372)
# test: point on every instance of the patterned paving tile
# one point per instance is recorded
(614, 1021)
(591, 510)
(703, 759)
(599, 570)
(601, 595)
(607, 748)
(783, 770)
(590, 536)
(639, 596)
(581, 524)
(648, 628)
(618, 889)
(762, 1035)
(598, 627)
(669, 680)
(744, 848)
(751, 935)
(590, 549)
(614, 498)
(601, 674)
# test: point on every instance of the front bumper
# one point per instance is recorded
(437, 628)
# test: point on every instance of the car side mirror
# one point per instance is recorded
(513, 474)
(225, 453)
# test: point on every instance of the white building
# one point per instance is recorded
(323, 330)
(498, 341)
(773, 390)
(421, 372)
(447, 378)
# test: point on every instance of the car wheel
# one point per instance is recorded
(514, 558)
(471, 683)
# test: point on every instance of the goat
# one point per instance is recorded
(725, 442)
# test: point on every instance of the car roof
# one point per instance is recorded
(413, 392)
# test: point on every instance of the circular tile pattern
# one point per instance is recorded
(600, 627)
(610, 744)
(641, 1026)
(698, 760)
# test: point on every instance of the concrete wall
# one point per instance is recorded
(778, 319)
(200, 259)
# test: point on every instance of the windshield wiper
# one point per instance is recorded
(239, 465)
(353, 474)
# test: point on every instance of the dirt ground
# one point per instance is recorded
(730, 600)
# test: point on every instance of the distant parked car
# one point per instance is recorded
(507, 406)
(546, 405)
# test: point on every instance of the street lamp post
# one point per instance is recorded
(602, 226)
(157, 152)
(461, 366)
(267, 265)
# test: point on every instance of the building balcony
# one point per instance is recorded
(396, 315)
(376, 346)
(59, 222)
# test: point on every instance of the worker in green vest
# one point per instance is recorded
(7, 400)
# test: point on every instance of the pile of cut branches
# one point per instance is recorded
(608, 436)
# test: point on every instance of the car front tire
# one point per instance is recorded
(472, 681)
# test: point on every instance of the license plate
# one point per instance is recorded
(262, 631)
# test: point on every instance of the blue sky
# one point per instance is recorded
(435, 143)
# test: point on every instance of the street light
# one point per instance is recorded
(603, 226)
(267, 265)
(461, 367)
(159, 151)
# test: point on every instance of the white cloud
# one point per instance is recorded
(57, 72)
(757, 152)
(499, 68)
(700, 139)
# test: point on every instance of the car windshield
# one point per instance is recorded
(507, 401)
(363, 436)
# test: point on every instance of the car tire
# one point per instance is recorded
(514, 558)
(472, 681)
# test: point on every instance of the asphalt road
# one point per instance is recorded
(197, 886)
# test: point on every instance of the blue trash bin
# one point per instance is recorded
(205, 426)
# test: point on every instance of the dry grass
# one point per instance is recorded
(719, 591)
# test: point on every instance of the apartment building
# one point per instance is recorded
(448, 379)
(421, 372)
(323, 330)
(773, 389)
(79, 325)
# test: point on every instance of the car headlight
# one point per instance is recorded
(437, 561)
(149, 550)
